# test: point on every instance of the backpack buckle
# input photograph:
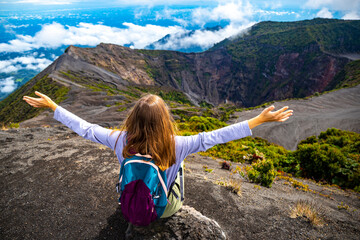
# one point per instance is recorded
(118, 188)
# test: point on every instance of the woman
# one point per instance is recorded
(149, 130)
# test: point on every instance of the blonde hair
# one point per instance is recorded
(150, 131)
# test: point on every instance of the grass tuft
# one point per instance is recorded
(233, 184)
(309, 210)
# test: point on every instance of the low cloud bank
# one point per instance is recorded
(25, 62)
(56, 35)
(203, 39)
(7, 85)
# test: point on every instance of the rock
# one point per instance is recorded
(188, 223)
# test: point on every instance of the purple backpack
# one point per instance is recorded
(142, 188)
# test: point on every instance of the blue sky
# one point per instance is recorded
(34, 32)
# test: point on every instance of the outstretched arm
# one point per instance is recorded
(205, 140)
(85, 129)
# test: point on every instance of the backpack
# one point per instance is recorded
(142, 188)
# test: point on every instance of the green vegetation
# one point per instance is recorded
(14, 125)
(262, 172)
(208, 170)
(14, 109)
(175, 96)
(333, 157)
(348, 77)
(200, 124)
(121, 109)
(205, 104)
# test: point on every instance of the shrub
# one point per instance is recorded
(333, 157)
(201, 124)
(14, 125)
(262, 172)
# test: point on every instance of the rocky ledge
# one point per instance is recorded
(56, 185)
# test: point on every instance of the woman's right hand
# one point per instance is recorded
(42, 102)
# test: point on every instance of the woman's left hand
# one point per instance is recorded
(267, 115)
(280, 115)
(42, 102)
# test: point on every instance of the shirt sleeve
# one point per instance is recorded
(201, 142)
(86, 130)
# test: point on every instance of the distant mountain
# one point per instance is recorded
(274, 61)
(173, 41)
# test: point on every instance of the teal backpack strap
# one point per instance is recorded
(181, 172)
(180, 175)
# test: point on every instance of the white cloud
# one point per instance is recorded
(275, 4)
(202, 38)
(234, 11)
(351, 16)
(239, 13)
(324, 13)
(278, 13)
(16, 26)
(7, 85)
(172, 13)
(336, 5)
(25, 62)
(55, 35)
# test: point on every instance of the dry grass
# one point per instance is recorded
(9, 126)
(4, 128)
(233, 184)
(309, 210)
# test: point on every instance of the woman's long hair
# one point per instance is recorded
(150, 131)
